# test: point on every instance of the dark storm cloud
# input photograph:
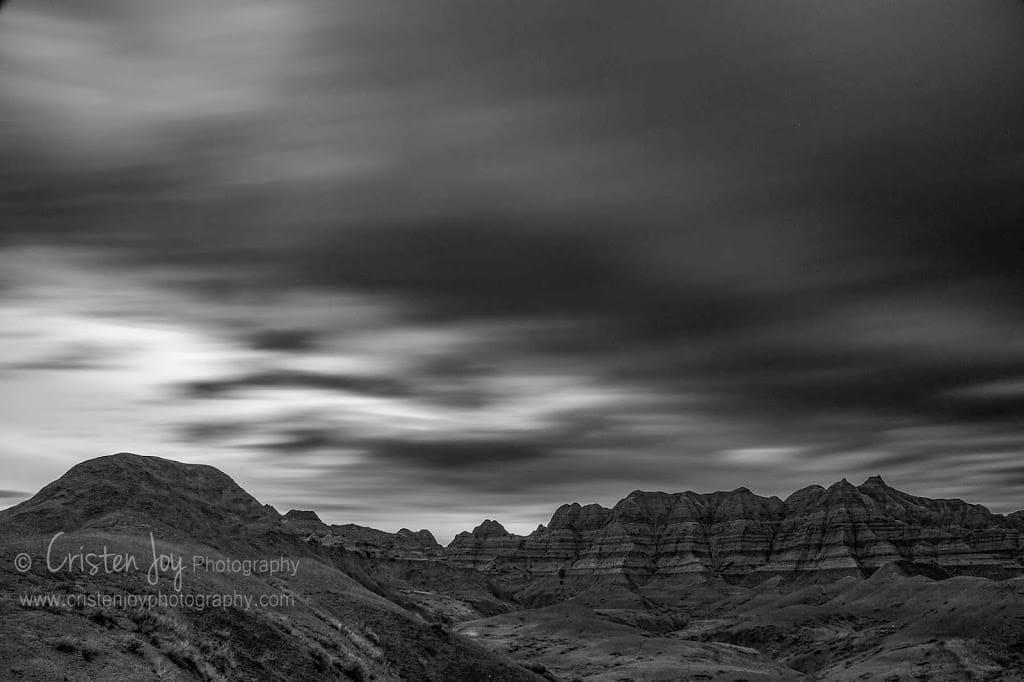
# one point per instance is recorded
(299, 440)
(456, 454)
(799, 379)
(207, 431)
(800, 218)
(742, 168)
(8, 494)
(416, 455)
(282, 379)
(495, 267)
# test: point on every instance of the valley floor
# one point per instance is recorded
(890, 627)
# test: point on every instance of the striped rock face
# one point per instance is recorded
(737, 536)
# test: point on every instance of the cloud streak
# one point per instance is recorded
(692, 245)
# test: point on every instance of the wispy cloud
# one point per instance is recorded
(357, 252)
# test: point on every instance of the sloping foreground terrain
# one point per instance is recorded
(840, 583)
(894, 626)
(327, 618)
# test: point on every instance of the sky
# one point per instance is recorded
(420, 264)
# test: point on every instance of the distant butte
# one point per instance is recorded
(738, 537)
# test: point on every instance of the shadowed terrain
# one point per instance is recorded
(333, 622)
(840, 583)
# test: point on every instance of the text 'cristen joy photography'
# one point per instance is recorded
(156, 564)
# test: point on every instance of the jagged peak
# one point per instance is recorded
(572, 516)
(422, 535)
(874, 482)
(489, 527)
(841, 484)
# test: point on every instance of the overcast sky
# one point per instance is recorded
(417, 264)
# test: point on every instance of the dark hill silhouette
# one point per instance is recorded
(128, 491)
(335, 623)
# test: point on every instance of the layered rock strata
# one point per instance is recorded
(742, 537)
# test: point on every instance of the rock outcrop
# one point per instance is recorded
(742, 537)
(487, 547)
(368, 542)
(302, 516)
(376, 544)
(303, 521)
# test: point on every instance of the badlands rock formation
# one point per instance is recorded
(368, 542)
(745, 538)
